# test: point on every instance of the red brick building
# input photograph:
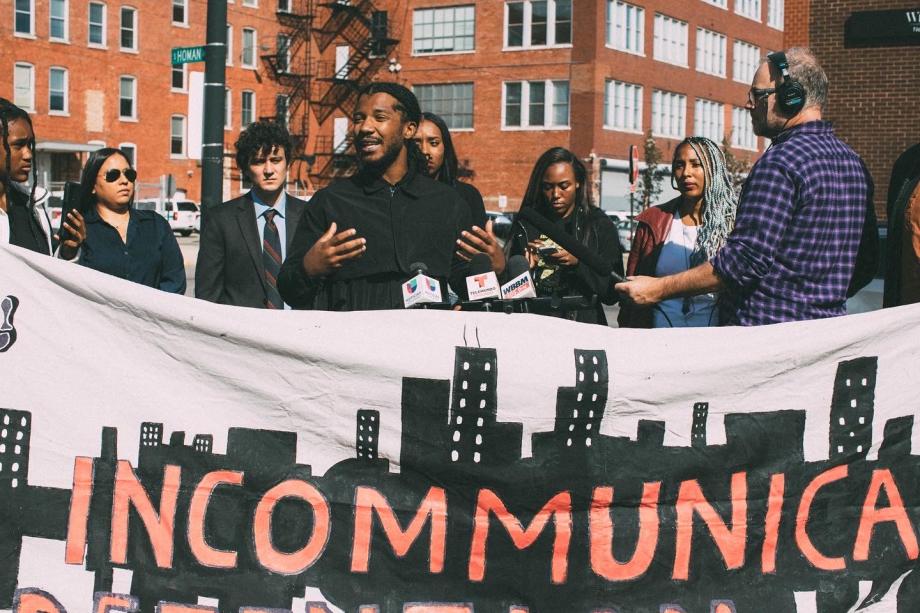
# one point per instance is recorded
(96, 73)
(873, 87)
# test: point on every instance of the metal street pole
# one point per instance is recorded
(212, 147)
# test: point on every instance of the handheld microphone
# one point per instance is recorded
(570, 244)
(420, 289)
(482, 283)
(521, 284)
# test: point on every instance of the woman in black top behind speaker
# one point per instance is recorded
(434, 141)
(557, 190)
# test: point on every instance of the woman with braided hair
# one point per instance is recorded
(23, 218)
(683, 233)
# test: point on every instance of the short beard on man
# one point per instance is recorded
(389, 156)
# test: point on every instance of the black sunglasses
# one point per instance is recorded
(113, 174)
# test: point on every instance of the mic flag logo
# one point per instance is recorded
(432, 285)
(481, 280)
(8, 307)
(411, 285)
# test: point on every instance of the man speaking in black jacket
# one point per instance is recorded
(358, 237)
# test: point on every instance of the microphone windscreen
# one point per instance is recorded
(480, 264)
(517, 265)
(418, 267)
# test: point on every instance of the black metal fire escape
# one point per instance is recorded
(310, 84)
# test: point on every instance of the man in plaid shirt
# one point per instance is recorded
(793, 251)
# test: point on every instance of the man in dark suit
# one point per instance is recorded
(244, 241)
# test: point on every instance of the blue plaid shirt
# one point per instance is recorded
(793, 250)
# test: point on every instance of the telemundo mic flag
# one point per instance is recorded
(159, 453)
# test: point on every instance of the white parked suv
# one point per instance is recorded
(182, 215)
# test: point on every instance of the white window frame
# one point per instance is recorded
(659, 98)
(184, 88)
(66, 110)
(104, 25)
(243, 93)
(663, 43)
(289, 41)
(250, 3)
(435, 10)
(749, 9)
(525, 37)
(549, 106)
(184, 154)
(229, 46)
(702, 35)
(745, 60)
(698, 122)
(255, 48)
(133, 147)
(134, 104)
(741, 116)
(776, 14)
(66, 20)
(444, 116)
(609, 110)
(172, 8)
(31, 32)
(287, 8)
(135, 28)
(30, 105)
(722, 4)
(228, 109)
(612, 41)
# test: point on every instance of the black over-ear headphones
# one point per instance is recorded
(790, 95)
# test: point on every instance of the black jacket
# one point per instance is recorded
(230, 268)
(595, 230)
(416, 220)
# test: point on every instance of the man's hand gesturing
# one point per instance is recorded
(332, 250)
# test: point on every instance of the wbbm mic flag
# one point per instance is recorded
(158, 453)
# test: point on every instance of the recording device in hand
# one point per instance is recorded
(482, 283)
(570, 244)
(421, 289)
(521, 283)
(71, 203)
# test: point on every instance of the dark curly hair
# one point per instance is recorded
(261, 136)
(9, 112)
(408, 107)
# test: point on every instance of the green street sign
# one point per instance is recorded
(184, 55)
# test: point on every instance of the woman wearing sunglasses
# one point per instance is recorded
(135, 245)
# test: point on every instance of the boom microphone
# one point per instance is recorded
(570, 244)
(482, 283)
(521, 284)
(421, 289)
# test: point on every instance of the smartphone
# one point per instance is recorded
(547, 251)
(71, 203)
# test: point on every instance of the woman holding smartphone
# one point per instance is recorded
(135, 245)
(558, 191)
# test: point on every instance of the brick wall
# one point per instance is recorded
(873, 92)
(94, 79)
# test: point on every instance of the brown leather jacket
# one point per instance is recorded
(652, 230)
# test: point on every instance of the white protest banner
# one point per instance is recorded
(159, 451)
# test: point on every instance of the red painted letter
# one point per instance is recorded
(601, 529)
(79, 510)
(731, 542)
(871, 515)
(368, 500)
(771, 523)
(128, 492)
(198, 510)
(559, 508)
(299, 561)
(104, 602)
(34, 600)
(801, 520)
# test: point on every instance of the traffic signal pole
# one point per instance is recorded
(212, 147)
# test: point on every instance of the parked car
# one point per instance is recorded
(181, 214)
